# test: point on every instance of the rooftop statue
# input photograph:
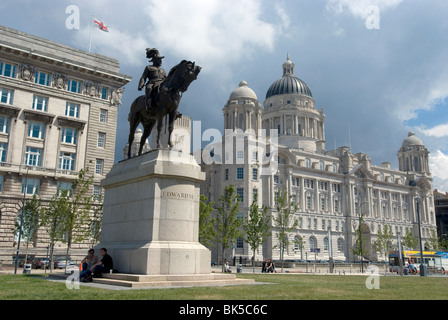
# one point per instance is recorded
(162, 97)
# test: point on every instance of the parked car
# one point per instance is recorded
(41, 262)
(60, 262)
(21, 260)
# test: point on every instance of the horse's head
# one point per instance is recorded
(186, 72)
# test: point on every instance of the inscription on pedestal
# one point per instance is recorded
(177, 195)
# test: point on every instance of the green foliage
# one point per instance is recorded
(207, 232)
(227, 222)
(29, 219)
(409, 241)
(28, 222)
(256, 227)
(68, 212)
(284, 221)
(384, 243)
(96, 223)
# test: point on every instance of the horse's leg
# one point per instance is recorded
(159, 129)
(145, 136)
(133, 126)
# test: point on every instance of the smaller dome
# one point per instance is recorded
(138, 134)
(412, 140)
(243, 91)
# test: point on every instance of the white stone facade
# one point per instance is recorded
(331, 187)
(58, 114)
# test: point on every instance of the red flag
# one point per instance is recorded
(100, 25)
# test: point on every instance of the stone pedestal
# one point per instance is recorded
(151, 215)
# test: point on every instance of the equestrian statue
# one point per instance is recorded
(162, 97)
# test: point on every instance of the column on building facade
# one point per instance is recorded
(390, 207)
(330, 198)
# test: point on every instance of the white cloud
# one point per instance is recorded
(438, 163)
(286, 21)
(438, 131)
(358, 8)
(126, 41)
(214, 33)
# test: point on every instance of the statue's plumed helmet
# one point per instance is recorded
(152, 53)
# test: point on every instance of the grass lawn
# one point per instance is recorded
(280, 287)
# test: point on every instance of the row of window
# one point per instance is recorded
(298, 244)
(41, 103)
(31, 186)
(43, 78)
(36, 130)
(240, 174)
(34, 156)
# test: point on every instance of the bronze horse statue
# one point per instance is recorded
(164, 101)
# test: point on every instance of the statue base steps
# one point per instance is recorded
(171, 281)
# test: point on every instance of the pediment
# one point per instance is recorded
(360, 171)
(422, 183)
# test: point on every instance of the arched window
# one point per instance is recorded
(416, 164)
(307, 163)
(297, 243)
(326, 244)
(313, 243)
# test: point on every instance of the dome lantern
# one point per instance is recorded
(288, 83)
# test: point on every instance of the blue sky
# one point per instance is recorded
(377, 84)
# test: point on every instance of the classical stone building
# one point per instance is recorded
(58, 114)
(335, 190)
(441, 208)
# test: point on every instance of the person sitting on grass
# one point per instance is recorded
(227, 268)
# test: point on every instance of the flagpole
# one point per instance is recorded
(90, 40)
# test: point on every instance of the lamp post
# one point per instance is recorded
(360, 233)
(400, 254)
(422, 265)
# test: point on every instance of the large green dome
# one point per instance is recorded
(288, 84)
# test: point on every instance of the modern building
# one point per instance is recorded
(338, 192)
(58, 115)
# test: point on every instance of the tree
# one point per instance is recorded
(96, 223)
(360, 246)
(227, 222)
(207, 232)
(433, 241)
(284, 221)
(384, 242)
(76, 211)
(52, 220)
(29, 221)
(256, 227)
(68, 212)
(409, 241)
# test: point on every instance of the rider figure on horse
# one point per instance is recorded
(154, 74)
